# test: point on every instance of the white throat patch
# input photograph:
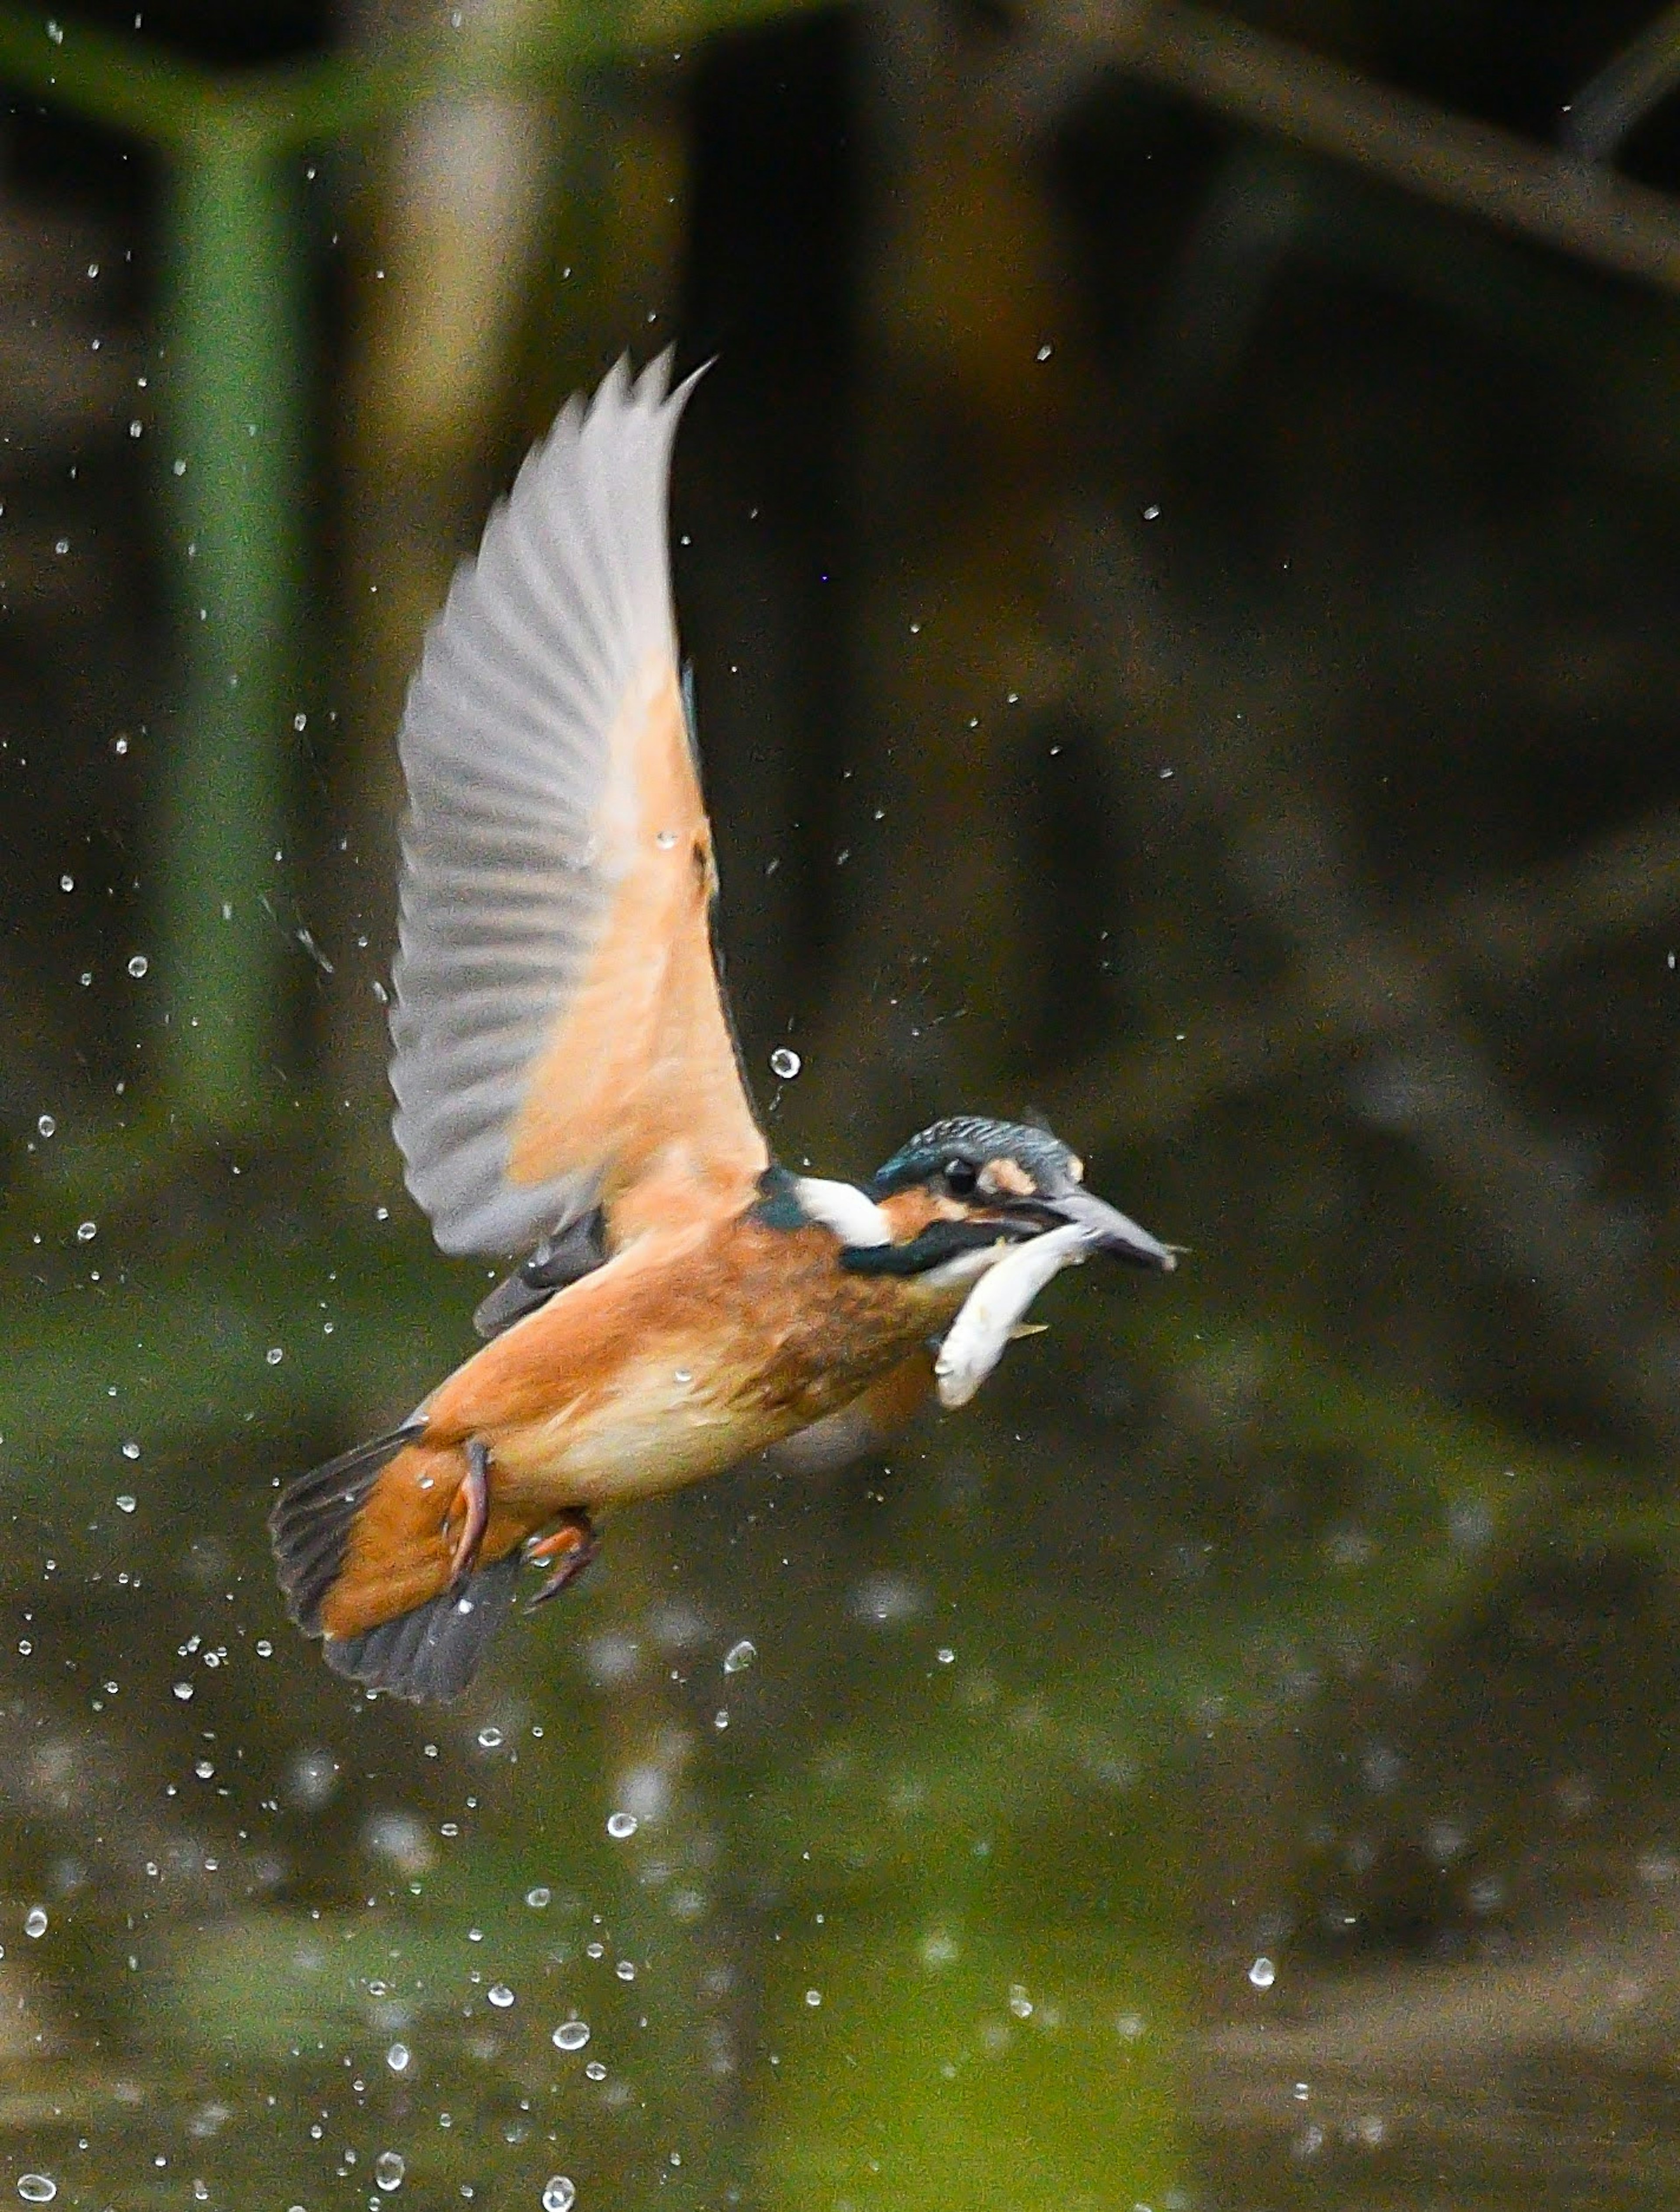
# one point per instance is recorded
(851, 1213)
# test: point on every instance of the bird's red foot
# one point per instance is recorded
(572, 1545)
(474, 1499)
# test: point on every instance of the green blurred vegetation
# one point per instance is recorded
(1179, 553)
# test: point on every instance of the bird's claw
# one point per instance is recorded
(571, 1546)
(474, 1495)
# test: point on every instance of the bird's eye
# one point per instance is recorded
(960, 1177)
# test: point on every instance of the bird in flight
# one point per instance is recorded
(567, 1086)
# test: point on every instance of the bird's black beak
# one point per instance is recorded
(1110, 1231)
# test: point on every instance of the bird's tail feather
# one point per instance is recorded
(365, 1563)
(312, 1522)
(434, 1650)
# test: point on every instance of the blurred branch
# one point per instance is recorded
(1622, 93)
(1353, 983)
(1269, 84)
(1624, 883)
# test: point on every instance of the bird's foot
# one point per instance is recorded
(474, 1499)
(571, 1546)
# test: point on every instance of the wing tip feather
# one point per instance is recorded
(574, 562)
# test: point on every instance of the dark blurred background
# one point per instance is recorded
(1179, 548)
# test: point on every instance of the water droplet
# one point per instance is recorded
(61, 545)
(538, 1898)
(138, 965)
(204, 1770)
(34, 1921)
(183, 1691)
(785, 1063)
(389, 2169)
(720, 1720)
(86, 1232)
(274, 1355)
(595, 2070)
(558, 2194)
(1263, 1973)
(37, 2188)
(131, 1449)
(489, 1739)
(625, 1971)
(945, 1655)
(665, 840)
(46, 1127)
(126, 1503)
(67, 883)
(500, 1996)
(570, 2035)
(683, 1375)
(739, 1656)
(1019, 2003)
(620, 1825)
(813, 1998)
(397, 2057)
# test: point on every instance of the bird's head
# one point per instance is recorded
(962, 1188)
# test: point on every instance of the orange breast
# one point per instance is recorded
(682, 1354)
(691, 1348)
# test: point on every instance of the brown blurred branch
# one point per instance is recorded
(1634, 80)
(1624, 883)
(1380, 1007)
(1271, 85)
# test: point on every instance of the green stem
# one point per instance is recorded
(234, 400)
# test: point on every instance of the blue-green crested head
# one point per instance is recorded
(1007, 1176)
(971, 1154)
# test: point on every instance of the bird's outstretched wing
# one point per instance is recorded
(559, 1024)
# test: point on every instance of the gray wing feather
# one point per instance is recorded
(506, 885)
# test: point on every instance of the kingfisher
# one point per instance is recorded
(568, 1087)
